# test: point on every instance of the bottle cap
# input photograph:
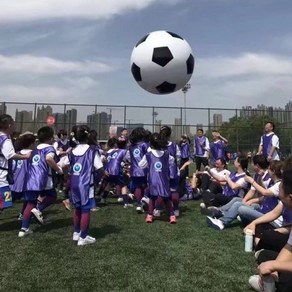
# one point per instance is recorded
(248, 232)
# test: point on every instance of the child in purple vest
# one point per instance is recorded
(217, 147)
(158, 161)
(7, 154)
(137, 150)
(39, 182)
(83, 161)
(24, 145)
(174, 151)
(116, 157)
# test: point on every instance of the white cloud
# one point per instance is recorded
(48, 66)
(28, 10)
(246, 64)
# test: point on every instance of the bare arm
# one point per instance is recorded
(258, 187)
(51, 162)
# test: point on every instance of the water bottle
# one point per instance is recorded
(269, 284)
(248, 245)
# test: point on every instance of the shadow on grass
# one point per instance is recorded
(104, 231)
(10, 226)
(54, 224)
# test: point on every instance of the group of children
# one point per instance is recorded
(151, 167)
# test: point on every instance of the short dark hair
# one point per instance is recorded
(61, 132)
(165, 131)
(261, 160)
(45, 133)
(200, 129)
(5, 121)
(272, 124)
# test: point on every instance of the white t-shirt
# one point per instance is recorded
(80, 150)
(265, 182)
(275, 143)
(8, 151)
(275, 189)
(222, 173)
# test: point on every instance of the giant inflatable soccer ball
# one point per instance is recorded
(162, 62)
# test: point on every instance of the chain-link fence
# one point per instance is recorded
(241, 127)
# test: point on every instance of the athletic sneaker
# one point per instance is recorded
(131, 196)
(212, 212)
(265, 284)
(172, 219)
(238, 218)
(149, 219)
(85, 241)
(76, 236)
(145, 200)
(139, 210)
(24, 232)
(126, 206)
(38, 215)
(156, 213)
(20, 216)
(257, 253)
(215, 223)
(176, 213)
(120, 199)
(204, 209)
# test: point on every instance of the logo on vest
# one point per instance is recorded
(158, 166)
(136, 152)
(19, 163)
(77, 167)
(36, 160)
(115, 155)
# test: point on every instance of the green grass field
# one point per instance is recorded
(129, 255)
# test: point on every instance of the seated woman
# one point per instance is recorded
(235, 186)
(266, 201)
(275, 270)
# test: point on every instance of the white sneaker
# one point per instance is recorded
(215, 223)
(38, 215)
(76, 236)
(85, 241)
(238, 218)
(126, 206)
(256, 283)
(257, 253)
(176, 213)
(131, 196)
(24, 232)
(145, 200)
(120, 200)
(139, 209)
(202, 205)
(156, 213)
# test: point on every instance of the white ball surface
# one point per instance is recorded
(162, 62)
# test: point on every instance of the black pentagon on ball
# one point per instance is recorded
(190, 64)
(174, 35)
(166, 87)
(143, 39)
(136, 71)
(162, 56)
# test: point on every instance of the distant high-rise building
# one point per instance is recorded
(71, 119)
(3, 108)
(101, 123)
(217, 121)
(23, 121)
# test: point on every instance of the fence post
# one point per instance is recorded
(125, 116)
(35, 117)
(237, 144)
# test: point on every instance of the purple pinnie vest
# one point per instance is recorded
(173, 168)
(267, 144)
(228, 191)
(287, 216)
(114, 160)
(137, 151)
(217, 150)
(158, 177)
(64, 147)
(199, 148)
(38, 170)
(81, 179)
(268, 204)
(19, 171)
(185, 150)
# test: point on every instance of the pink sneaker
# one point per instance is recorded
(172, 219)
(149, 219)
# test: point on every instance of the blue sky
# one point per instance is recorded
(79, 51)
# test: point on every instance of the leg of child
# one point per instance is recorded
(27, 214)
(84, 223)
(77, 219)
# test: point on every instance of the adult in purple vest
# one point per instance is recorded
(269, 144)
(273, 264)
(201, 149)
(7, 154)
(39, 181)
(158, 161)
(137, 150)
(217, 147)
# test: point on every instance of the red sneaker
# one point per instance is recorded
(172, 219)
(149, 219)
